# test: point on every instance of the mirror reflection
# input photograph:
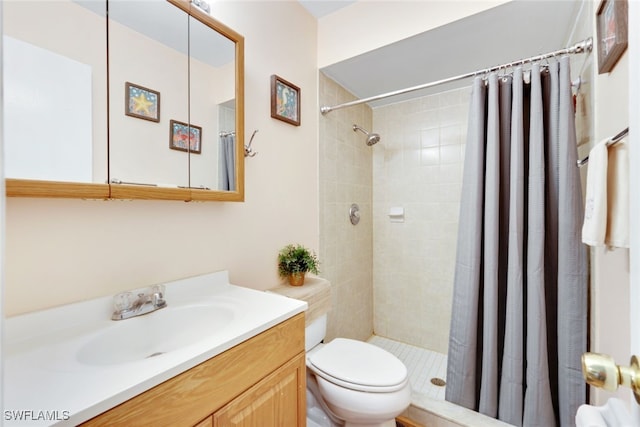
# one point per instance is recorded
(145, 97)
(228, 148)
(148, 87)
(212, 102)
(55, 99)
(167, 132)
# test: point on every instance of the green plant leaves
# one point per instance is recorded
(297, 259)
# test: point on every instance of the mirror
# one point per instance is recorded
(178, 74)
(175, 104)
(55, 97)
(148, 87)
(212, 103)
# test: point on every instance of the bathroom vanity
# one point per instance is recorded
(218, 354)
(259, 382)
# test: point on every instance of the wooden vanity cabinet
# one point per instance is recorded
(259, 382)
(207, 422)
(271, 402)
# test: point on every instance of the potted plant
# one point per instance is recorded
(294, 261)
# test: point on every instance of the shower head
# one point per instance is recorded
(372, 138)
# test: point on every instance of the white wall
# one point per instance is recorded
(610, 282)
(60, 251)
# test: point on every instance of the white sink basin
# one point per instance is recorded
(154, 334)
(75, 362)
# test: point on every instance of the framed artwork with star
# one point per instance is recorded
(141, 102)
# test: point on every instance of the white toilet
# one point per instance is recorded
(354, 382)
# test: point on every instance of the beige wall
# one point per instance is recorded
(418, 166)
(346, 178)
(61, 251)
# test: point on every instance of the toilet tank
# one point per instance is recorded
(316, 291)
(315, 332)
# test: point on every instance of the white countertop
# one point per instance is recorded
(46, 384)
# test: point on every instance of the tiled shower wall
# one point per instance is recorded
(346, 251)
(417, 166)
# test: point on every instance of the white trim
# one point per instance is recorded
(634, 186)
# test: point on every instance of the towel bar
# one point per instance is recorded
(610, 142)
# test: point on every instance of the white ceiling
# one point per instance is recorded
(320, 8)
(512, 31)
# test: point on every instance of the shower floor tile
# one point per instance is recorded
(422, 364)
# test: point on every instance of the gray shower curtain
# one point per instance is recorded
(519, 318)
(227, 171)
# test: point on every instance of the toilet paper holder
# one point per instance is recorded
(600, 370)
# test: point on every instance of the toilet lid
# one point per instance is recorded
(359, 364)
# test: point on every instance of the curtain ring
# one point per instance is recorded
(485, 74)
(502, 73)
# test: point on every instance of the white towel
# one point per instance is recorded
(614, 413)
(589, 416)
(594, 227)
(618, 196)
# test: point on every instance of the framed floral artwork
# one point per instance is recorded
(285, 101)
(612, 33)
(185, 137)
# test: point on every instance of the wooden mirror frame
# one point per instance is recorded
(73, 190)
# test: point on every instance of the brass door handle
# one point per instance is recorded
(600, 370)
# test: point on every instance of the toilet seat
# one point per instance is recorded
(359, 366)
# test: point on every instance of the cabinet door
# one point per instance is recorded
(207, 422)
(278, 400)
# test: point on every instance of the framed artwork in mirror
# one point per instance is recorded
(185, 137)
(612, 31)
(141, 102)
(285, 101)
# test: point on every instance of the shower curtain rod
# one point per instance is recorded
(585, 45)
